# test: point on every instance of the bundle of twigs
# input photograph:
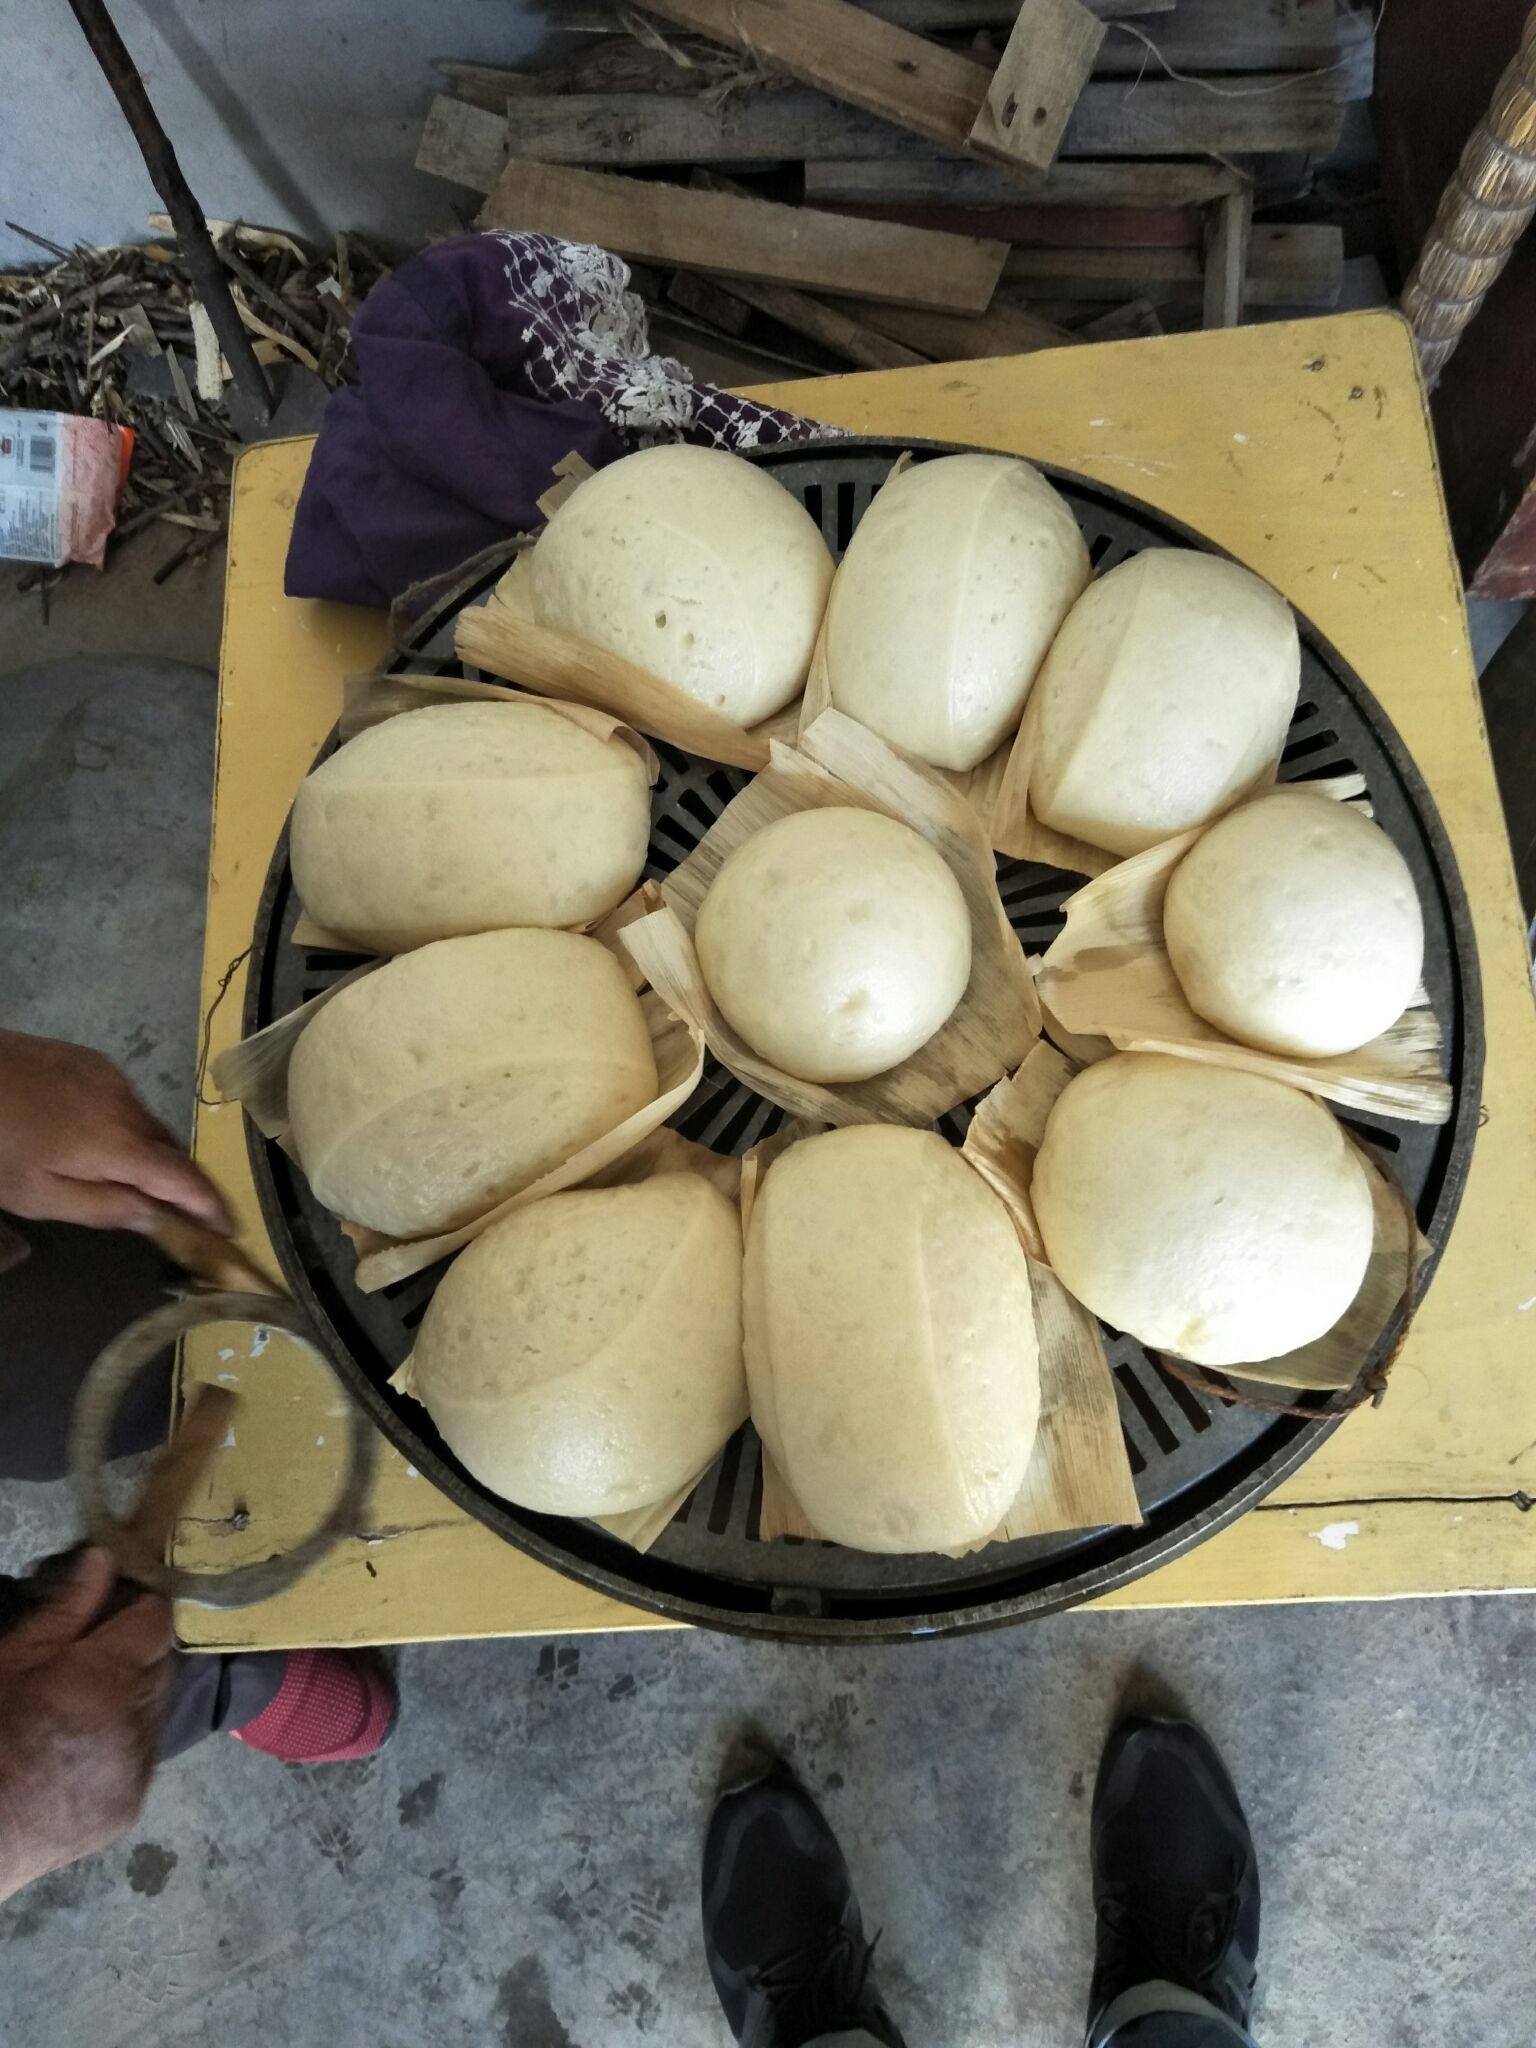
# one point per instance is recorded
(117, 334)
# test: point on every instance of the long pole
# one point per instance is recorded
(198, 252)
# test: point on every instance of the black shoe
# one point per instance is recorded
(782, 1930)
(1175, 1873)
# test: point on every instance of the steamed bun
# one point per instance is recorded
(428, 1091)
(467, 817)
(948, 596)
(1293, 925)
(1168, 689)
(583, 1356)
(694, 564)
(836, 941)
(1218, 1215)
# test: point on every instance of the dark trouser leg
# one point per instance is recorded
(57, 1309)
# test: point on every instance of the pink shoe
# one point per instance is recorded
(333, 1707)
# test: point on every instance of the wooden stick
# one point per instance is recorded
(856, 338)
(954, 338)
(720, 233)
(179, 1469)
(1287, 266)
(198, 252)
(1044, 66)
(1228, 231)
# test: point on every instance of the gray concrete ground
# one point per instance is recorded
(519, 1867)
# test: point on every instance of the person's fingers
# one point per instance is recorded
(160, 1169)
(138, 1634)
(65, 1616)
(97, 1204)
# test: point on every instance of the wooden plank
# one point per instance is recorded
(1060, 227)
(852, 55)
(602, 17)
(468, 144)
(1229, 229)
(719, 232)
(1230, 35)
(1287, 266)
(1044, 66)
(1135, 321)
(835, 329)
(720, 358)
(960, 181)
(627, 129)
(953, 338)
(708, 301)
(489, 86)
(465, 144)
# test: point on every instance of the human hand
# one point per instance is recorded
(80, 1702)
(78, 1146)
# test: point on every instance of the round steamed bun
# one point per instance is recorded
(951, 590)
(1217, 1215)
(694, 564)
(1293, 924)
(428, 1091)
(1168, 689)
(836, 942)
(890, 1339)
(465, 818)
(583, 1357)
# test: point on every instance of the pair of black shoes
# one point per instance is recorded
(1175, 1884)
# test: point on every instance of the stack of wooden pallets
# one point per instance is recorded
(814, 183)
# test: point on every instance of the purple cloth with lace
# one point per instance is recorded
(481, 362)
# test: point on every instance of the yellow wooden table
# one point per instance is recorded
(1303, 448)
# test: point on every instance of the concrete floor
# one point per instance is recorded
(519, 1867)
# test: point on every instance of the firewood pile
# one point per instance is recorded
(809, 184)
(117, 334)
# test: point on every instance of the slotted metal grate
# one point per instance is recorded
(1197, 1462)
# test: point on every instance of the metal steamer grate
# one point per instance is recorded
(1198, 1462)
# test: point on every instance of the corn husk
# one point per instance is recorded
(1078, 1476)
(1108, 974)
(1005, 1136)
(664, 1151)
(371, 700)
(255, 1074)
(841, 763)
(503, 637)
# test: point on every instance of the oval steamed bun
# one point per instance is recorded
(428, 1091)
(465, 818)
(890, 1339)
(1218, 1215)
(836, 941)
(951, 589)
(694, 564)
(1293, 924)
(1167, 690)
(583, 1356)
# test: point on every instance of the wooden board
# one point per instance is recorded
(601, 17)
(1229, 230)
(719, 231)
(846, 332)
(630, 129)
(1135, 321)
(852, 55)
(707, 300)
(958, 181)
(952, 337)
(1060, 227)
(1302, 447)
(1287, 266)
(1043, 68)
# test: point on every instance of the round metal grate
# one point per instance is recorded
(1198, 1462)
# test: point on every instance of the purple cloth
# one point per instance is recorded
(481, 362)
